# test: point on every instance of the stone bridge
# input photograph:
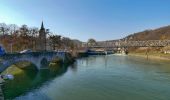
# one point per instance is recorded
(120, 44)
(36, 58)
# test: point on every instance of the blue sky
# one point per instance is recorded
(84, 19)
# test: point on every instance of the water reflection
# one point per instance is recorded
(28, 80)
(74, 67)
(95, 59)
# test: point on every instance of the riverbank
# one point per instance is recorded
(158, 56)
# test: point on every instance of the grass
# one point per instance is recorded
(14, 70)
(19, 68)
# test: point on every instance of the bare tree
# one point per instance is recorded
(34, 35)
(55, 41)
(91, 42)
(4, 29)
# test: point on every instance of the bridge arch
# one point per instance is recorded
(7, 63)
(21, 64)
(24, 65)
(44, 62)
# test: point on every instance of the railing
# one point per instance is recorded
(149, 43)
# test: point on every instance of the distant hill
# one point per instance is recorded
(162, 33)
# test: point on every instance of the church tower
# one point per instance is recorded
(42, 38)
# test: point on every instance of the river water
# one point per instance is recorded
(111, 77)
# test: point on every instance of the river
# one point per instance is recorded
(112, 77)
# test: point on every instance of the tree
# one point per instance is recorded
(24, 36)
(55, 41)
(12, 28)
(91, 42)
(34, 35)
(68, 43)
(4, 29)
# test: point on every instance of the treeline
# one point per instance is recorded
(15, 39)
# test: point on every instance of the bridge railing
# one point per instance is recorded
(31, 54)
(148, 43)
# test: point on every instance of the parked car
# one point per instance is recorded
(2, 51)
(26, 51)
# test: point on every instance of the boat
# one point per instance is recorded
(92, 52)
(98, 52)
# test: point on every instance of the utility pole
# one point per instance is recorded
(11, 44)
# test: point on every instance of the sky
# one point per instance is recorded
(84, 19)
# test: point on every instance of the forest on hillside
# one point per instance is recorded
(162, 33)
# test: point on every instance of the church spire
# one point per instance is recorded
(42, 25)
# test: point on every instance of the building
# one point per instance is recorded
(42, 39)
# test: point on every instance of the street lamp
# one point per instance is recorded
(47, 32)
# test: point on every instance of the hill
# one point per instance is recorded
(162, 33)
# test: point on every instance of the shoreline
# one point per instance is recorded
(150, 56)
